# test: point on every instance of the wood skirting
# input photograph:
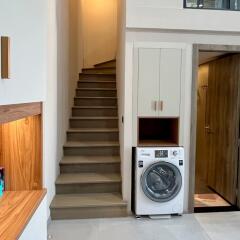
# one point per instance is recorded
(16, 210)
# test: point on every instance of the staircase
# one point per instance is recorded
(89, 184)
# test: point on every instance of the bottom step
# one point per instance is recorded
(82, 206)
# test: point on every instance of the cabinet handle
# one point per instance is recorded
(161, 105)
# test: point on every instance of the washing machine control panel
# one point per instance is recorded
(161, 153)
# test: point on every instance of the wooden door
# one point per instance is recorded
(223, 125)
(170, 82)
(148, 82)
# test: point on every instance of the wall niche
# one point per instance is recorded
(21, 146)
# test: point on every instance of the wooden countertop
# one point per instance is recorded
(16, 210)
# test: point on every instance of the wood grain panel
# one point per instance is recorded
(5, 57)
(16, 209)
(21, 153)
(223, 122)
(14, 112)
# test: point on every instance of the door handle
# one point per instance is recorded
(161, 106)
(208, 130)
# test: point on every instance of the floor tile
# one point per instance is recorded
(176, 228)
(221, 226)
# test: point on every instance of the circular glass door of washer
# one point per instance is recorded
(161, 182)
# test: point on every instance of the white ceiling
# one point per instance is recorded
(209, 56)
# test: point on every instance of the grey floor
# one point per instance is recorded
(204, 226)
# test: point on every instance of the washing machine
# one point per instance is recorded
(159, 176)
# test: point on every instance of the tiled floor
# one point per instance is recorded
(210, 226)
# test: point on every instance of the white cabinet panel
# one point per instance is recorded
(170, 82)
(148, 81)
(37, 226)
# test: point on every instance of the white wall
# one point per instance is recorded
(163, 14)
(99, 20)
(122, 104)
(37, 226)
(45, 61)
(64, 64)
(25, 22)
(160, 36)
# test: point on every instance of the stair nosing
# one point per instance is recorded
(95, 97)
(91, 206)
(68, 162)
(94, 68)
(87, 181)
(94, 107)
(121, 202)
(99, 130)
(98, 74)
(72, 160)
(95, 81)
(97, 89)
(90, 144)
(95, 118)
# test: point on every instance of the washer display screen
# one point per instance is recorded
(161, 153)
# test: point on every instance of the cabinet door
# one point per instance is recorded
(148, 81)
(170, 82)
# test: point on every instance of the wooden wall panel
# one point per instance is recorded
(21, 153)
(223, 121)
(5, 57)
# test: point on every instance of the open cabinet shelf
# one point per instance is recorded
(158, 132)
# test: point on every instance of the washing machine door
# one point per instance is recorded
(161, 182)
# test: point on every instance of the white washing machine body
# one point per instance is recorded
(159, 181)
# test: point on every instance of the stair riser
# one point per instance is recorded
(93, 168)
(92, 136)
(95, 102)
(96, 77)
(96, 84)
(91, 151)
(88, 188)
(96, 123)
(99, 70)
(96, 93)
(84, 112)
(88, 212)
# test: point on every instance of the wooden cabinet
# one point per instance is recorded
(159, 82)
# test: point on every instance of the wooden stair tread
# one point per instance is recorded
(86, 130)
(95, 107)
(70, 160)
(98, 74)
(91, 144)
(87, 200)
(81, 178)
(97, 89)
(100, 68)
(95, 118)
(95, 81)
(96, 97)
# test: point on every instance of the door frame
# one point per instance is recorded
(193, 134)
